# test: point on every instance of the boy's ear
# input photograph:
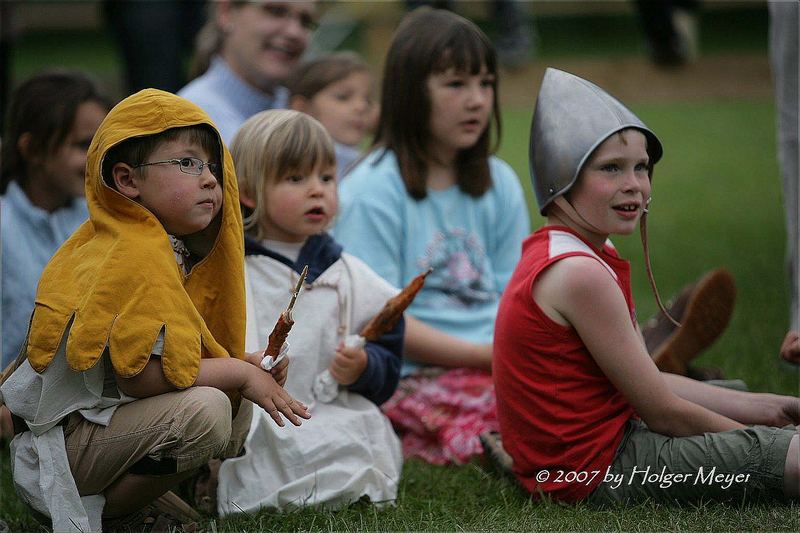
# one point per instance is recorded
(124, 180)
(24, 145)
(246, 201)
(299, 103)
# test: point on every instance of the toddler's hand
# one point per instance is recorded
(348, 364)
(262, 389)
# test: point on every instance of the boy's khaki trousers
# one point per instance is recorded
(181, 430)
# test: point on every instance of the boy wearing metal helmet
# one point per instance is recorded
(583, 410)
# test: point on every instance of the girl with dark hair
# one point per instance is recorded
(431, 195)
(51, 121)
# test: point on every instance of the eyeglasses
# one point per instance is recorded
(278, 11)
(187, 165)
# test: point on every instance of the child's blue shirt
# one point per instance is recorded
(473, 244)
(30, 236)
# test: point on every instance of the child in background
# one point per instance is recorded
(584, 411)
(337, 89)
(51, 121)
(138, 329)
(287, 173)
(430, 194)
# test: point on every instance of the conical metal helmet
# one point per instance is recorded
(571, 119)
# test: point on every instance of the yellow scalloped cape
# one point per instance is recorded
(117, 280)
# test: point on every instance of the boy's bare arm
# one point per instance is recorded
(230, 374)
(745, 407)
(580, 291)
(425, 344)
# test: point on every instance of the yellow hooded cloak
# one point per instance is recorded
(116, 278)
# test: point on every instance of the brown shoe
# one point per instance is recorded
(171, 503)
(704, 310)
(152, 519)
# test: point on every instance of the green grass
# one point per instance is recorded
(717, 203)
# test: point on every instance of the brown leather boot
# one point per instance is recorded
(704, 310)
(168, 514)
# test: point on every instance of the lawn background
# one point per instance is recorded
(716, 203)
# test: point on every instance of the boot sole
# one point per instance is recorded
(707, 314)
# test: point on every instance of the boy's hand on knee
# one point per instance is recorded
(261, 388)
(348, 364)
(790, 349)
(790, 412)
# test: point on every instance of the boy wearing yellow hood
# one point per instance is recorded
(139, 326)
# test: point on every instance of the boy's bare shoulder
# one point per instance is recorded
(573, 282)
(577, 273)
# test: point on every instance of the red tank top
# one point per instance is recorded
(558, 412)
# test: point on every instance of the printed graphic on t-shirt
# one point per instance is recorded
(460, 270)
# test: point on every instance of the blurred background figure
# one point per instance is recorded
(244, 55)
(155, 38)
(51, 121)
(670, 27)
(783, 43)
(338, 90)
(513, 37)
(6, 39)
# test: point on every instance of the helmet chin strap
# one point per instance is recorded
(576, 217)
(647, 266)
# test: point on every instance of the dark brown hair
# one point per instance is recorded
(431, 41)
(312, 76)
(136, 150)
(44, 106)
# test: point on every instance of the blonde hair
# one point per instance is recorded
(271, 145)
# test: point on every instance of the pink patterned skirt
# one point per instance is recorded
(439, 414)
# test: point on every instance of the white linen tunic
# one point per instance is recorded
(348, 448)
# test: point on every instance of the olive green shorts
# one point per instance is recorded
(742, 464)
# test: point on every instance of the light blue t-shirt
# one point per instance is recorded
(473, 244)
(30, 236)
(228, 99)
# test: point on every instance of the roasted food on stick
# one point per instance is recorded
(393, 309)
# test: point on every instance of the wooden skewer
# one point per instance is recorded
(285, 322)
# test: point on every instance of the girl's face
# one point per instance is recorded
(63, 171)
(461, 107)
(300, 205)
(345, 108)
(614, 185)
